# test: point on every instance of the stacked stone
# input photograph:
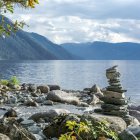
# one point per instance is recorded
(114, 99)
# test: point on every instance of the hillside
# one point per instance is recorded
(104, 50)
(30, 46)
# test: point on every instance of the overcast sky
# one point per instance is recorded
(84, 20)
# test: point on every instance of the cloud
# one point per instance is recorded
(84, 20)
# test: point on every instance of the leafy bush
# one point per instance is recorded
(13, 80)
(87, 131)
(4, 82)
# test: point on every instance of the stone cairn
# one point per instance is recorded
(114, 99)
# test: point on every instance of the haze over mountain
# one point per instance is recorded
(32, 46)
(104, 50)
(29, 46)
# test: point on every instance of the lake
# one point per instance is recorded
(74, 74)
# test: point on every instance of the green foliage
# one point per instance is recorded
(89, 131)
(14, 81)
(8, 6)
(4, 82)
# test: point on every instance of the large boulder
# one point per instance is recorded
(43, 88)
(50, 114)
(62, 97)
(4, 137)
(116, 123)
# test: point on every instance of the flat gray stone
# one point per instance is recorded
(112, 94)
(114, 101)
(113, 107)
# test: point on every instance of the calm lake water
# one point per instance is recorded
(74, 74)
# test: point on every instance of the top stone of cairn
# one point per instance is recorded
(112, 73)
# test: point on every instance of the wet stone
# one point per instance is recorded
(114, 101)
(120, 113)
(113, 107)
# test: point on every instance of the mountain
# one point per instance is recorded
(104, 50)
(30, 46)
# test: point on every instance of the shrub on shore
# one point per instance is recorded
(12, 81)
(86, 130)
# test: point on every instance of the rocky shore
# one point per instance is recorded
(39, 112)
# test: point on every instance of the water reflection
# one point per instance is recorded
(74, 74)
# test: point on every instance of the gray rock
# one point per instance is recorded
(50, 114)
(116, 89)
(15, 131)
(32, 88)
(121, 113)
(114, 101)
(135, 130)
(44, 88)
(48, 102)
(10, 113)
(12, 100)
(95, 89)
(114, 68)
(83, 104)
(94, 100)
(112, 94)
(99, 95)
(115, 123)
(130, 120)
(135, 114)
(31, 103)
(112, 75)
(24, 86)
(40, 99)
(54, 87)
(109, 107)
(127, 135)
(16, 87)
(62, 97)
(4, 137)
(34, 94)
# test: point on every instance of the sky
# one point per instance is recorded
(63, 21)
